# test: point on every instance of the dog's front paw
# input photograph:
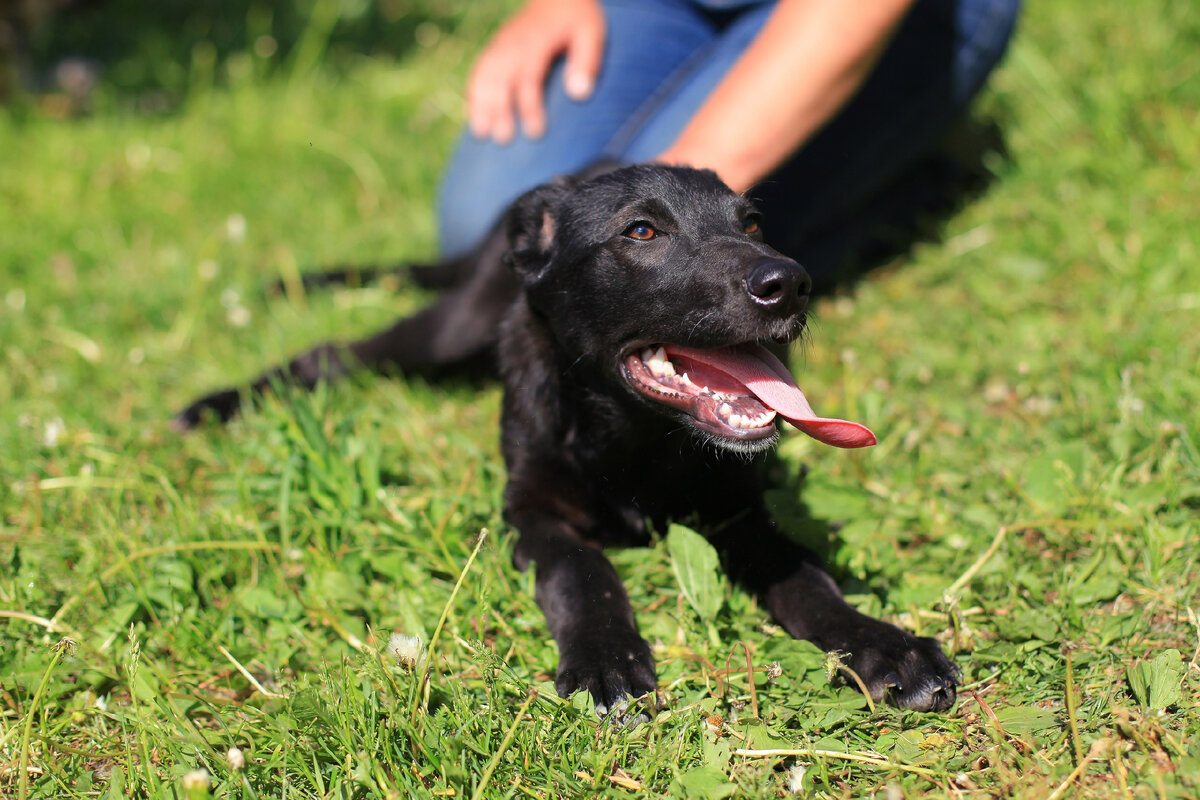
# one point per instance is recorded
(612, 666)
(906, 670)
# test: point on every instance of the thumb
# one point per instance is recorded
(584, 54)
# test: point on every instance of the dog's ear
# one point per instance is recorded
(531, 224)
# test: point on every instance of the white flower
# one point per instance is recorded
(235, 228)
(53, 432)
(409, 651)
(236, 758)
(196, 780)
(795, 778)
(238, 316)
(137, 155)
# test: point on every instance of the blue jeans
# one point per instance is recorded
(663, 57)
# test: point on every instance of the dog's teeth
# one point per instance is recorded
(725, 408)
(658, 363)
(683, 378)
(736, 420)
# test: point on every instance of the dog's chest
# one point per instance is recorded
(663, 482)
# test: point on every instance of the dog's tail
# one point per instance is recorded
(438, 275)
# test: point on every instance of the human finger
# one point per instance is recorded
(530, 104)
(489, 97)
(584, 54)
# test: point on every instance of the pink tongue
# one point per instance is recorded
(769, 380)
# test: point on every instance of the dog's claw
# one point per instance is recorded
(899, 668)
(617, 671)
(628, 713)
(941, 698)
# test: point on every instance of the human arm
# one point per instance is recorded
(806, 62)
(510, 74)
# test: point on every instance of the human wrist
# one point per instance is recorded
(737, 174)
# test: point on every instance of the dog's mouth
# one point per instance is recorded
(734, 392)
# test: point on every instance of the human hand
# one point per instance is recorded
(510, 75)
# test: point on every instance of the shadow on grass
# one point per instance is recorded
(913, 209)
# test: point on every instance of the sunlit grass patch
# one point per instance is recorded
(1033, 500)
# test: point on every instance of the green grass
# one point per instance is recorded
(1033, 378)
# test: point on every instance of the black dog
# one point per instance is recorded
(628, 311)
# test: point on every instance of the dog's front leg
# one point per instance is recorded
(587, 611)
(895, 665)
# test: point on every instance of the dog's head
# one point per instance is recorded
(659, 278)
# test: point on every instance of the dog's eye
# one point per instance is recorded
(752, 224)
(642, 231)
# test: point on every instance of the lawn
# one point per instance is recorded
(211, 613)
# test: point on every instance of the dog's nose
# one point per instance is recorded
(779, 285)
